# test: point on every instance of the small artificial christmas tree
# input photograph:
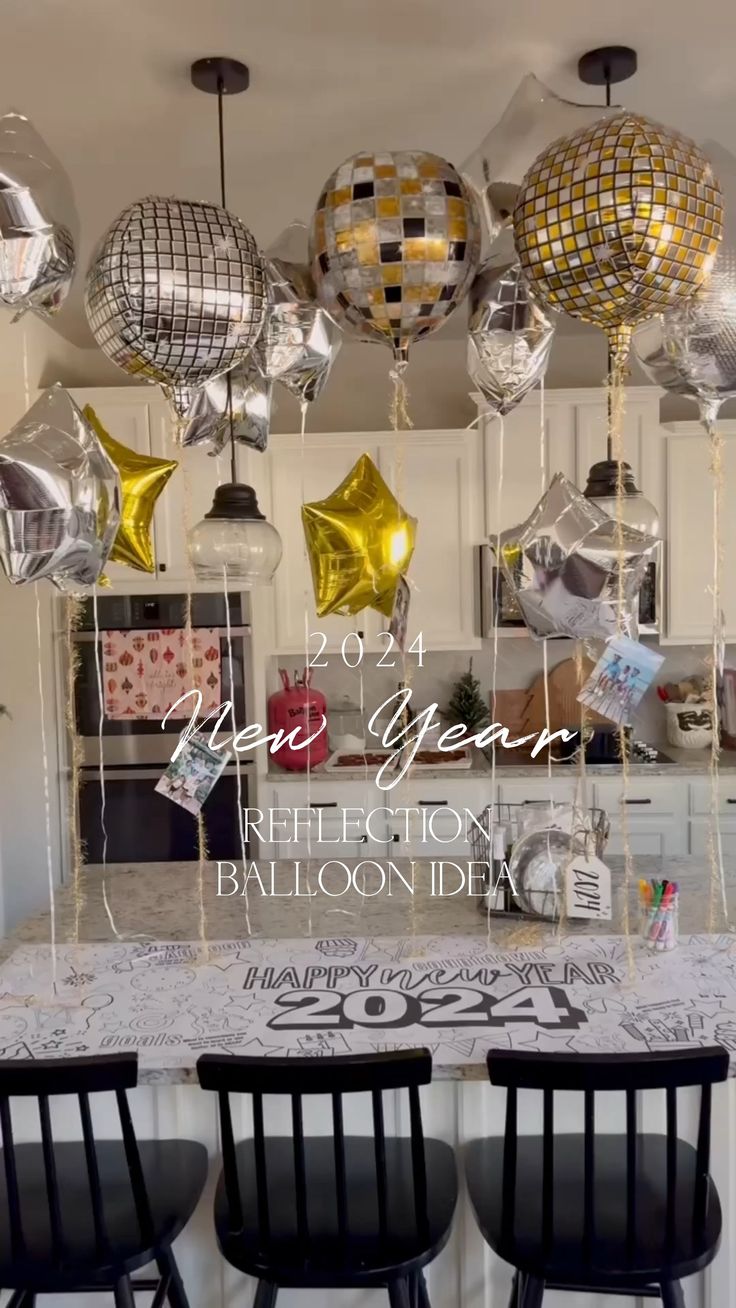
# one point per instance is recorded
(467, 704)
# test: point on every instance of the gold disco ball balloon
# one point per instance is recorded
(394, 245)
(618, 221)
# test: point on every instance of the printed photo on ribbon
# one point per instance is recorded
(620, 678)
(400, 615)
(190, 778)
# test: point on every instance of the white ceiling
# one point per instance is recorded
(107, 84)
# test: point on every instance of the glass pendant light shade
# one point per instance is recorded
(234, 535)
(636, 510)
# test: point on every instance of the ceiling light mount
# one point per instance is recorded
(218, 75)
(608, 65)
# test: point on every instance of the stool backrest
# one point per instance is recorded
(592, 1074)
(81, 1077)
(334, 1076)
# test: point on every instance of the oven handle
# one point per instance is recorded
(90, 635)
(144, 774)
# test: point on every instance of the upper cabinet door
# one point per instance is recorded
(437, 477)
(523, 451)
(689, 534)
(297, 477)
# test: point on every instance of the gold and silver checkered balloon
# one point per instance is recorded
(176, 292)
(618, 221)
(394, 245)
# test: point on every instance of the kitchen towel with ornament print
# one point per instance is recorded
(147, 671)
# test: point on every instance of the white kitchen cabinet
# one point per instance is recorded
(689, 535)
(700, 816)
(522, 454)
(656, 814)
(539, 789)
(436, 476)
(433, 814)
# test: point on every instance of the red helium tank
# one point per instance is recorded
(298, 706)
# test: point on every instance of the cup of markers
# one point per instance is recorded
(659, 904)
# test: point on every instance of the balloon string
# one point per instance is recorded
(715, 842)
(303, 407)
(542, 438)
(100, 731)
(73, 618)
(238, 778)
(189, 642)
(26, 366)
(399, 411)
(46, 786)
(494, 664)
(616, 398)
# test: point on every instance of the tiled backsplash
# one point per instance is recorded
(519, 662)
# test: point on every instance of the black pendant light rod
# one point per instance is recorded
(607, 66)
(221, 76)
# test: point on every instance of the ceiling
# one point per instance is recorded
(108, 86)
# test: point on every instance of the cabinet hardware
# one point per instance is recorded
(731, 801)
(330, 803)
(637, 801)
(432, 803)
(395, 837)
(162, 567)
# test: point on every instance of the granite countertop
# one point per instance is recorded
(167, 967)
(684, 761)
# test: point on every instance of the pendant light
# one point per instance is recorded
(234, 538)
(606, 67)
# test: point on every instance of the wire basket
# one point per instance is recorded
(588, 835)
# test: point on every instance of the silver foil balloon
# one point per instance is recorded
(248, 391)
(509, 338)
(533, 118)
(60, 496)
(300, 341)
(176, 292)
(563, 563)
(38, 221)
(692, 350)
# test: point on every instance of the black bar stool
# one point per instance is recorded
(624, 1214)
(332, 1211)
(80, 1216)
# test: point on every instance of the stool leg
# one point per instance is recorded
(422, 1292)
(265, 1295)
(123, 1292)
(532, 1293)
(167, 1267)
(672, 1294)
(398, 1293)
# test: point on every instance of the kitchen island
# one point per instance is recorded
(151, 958)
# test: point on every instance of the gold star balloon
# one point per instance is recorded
(142, 479)
(360, 540)
(618, 221)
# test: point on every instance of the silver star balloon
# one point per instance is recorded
(38, 221)
(60, 496)
(176, 292)
(300, 341)
(533, 118)
(692, 350)
(574, 571)
(246, 391)
(509, 338)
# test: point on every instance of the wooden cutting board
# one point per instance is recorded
(564, 710)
